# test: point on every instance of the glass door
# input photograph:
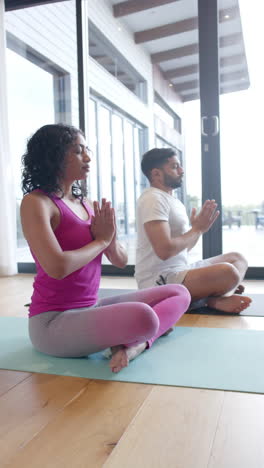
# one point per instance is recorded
(192, 166)
(188, 82)
(209, 96)
(242, 164)
(41, 83)
(118, 174)
(129, 177)
(92, 142)
(104, 151)
(231, 93)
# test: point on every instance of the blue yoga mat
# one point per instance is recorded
(214, 358)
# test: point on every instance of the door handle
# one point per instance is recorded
(203, 119)
(216, 125)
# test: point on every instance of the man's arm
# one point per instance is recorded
(165, 246)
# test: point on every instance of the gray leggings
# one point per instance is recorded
(129, 319)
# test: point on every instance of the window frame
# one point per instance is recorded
(61, 78)
(108, 49)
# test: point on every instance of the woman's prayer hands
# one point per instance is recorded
(103, 222)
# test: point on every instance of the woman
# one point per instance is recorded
(67, 238)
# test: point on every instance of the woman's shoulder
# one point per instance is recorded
(36, 198)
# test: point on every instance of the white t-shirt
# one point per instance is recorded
(156, 205)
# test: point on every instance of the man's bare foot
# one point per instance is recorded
(240, 289)
(231, 304)
(122, 356)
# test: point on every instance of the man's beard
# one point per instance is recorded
(171, 182)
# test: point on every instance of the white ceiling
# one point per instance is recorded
(177, 11)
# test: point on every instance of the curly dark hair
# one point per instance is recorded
(44, 159)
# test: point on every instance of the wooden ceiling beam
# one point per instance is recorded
(179, 27)
(235, 75)
(229, 61)
(134, 6)
(181, 71)
(224, 78)
(166, 30)
(179, 87)
(230, 40)
(223, 90)
(190, 97)
(193, 49)
(234, 87)
(237, 59)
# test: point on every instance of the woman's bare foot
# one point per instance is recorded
(240, 289)
(122, 356)
(231, 304)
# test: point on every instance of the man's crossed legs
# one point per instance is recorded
(218, 282)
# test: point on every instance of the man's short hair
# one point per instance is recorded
(155, 158)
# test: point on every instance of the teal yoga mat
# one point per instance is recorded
(211, 358)
(255, 310)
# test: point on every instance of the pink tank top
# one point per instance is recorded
(79, 289)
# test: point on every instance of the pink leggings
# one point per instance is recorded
(127, 319)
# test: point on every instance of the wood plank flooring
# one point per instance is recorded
(49, 421)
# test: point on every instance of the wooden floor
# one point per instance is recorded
(49, 421)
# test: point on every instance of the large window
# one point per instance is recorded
(193, 166)
(242, 163)
(117, 145)
(104, 151)
(27, 111)
(101, 50)
(230, 133)
(163, 112)
(42, 80)
(92, 144)
(118, 173)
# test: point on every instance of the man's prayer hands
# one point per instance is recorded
(206, 217)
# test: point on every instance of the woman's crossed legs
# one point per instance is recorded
(126, 323)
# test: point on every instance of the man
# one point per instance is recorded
(165, 237)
